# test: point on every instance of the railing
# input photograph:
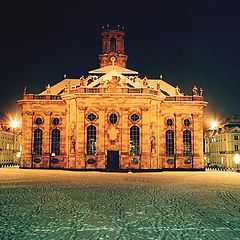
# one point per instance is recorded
(184, 98)
(91, 90)
(109, 90)
(135, 90)
(55, 97)
(228, 152)
(41, 97)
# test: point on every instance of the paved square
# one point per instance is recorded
(54, 204)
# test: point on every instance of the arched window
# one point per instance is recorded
(55, 142)
(113, 45)
(134, 141)
(187, 143)
(37, 143)
(91, 140)
(169, 143)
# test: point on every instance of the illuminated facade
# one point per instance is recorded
(112, 119)
(223, 143)
(10, 147)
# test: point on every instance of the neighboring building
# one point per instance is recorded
(10, 147)
(113, 119)
(223, 143)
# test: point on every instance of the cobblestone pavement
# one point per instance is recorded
(55, 204)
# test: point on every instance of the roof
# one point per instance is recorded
(106, 69)
(59, 87)
(114, 79)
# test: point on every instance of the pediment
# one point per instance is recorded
(107, 69)
(235, 130)
(114, 79)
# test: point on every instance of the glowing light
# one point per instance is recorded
(14, 123)
(237, 158)
(214, 125)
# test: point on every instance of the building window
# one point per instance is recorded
(134, 117)
(56, 121)
(38, 121)
(187, 143)
(169, 143)
(186, 122)
(169, 122)
(91, 140)
(113, 118)
(236, 148)
(37, 144)
(91, 117)
(113, 45)
(236, 137)
(134, 141)
(55, 142)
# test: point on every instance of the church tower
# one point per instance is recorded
(113, 47)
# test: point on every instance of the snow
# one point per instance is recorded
(55, 204)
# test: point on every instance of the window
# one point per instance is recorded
(56, 121)
(236, 137)
(187, 143)
(169, 143)
(37, 145)
(38, 121)
(186, 122)
(91, 117)
(134, 117)
(236, 148)
(134, 141)
(91, 140)
(55, 142)
(113, 45)
(113, 118)
(169, 122)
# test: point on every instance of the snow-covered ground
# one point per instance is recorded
(54, 204)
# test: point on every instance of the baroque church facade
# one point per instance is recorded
(113, 120)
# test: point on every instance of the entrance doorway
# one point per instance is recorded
(113, 160)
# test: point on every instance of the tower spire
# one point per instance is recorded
(113, 47)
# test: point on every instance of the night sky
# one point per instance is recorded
(189, 42)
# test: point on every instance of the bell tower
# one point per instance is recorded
(113, 47)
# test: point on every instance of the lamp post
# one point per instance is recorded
(14, 124)
(214, 125)
(237, 161)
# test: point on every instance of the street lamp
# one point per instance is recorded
(14, 124)
(237, 160)
(214, 125)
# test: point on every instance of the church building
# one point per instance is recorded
(113, 120)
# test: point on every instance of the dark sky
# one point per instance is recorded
(189, 42)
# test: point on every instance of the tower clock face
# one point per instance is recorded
(113, 59)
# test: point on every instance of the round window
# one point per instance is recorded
(186, 122)
(91, 117)
(113, 118)
(56, 121)
(134, 117)
(38, 121)
(169, 122)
